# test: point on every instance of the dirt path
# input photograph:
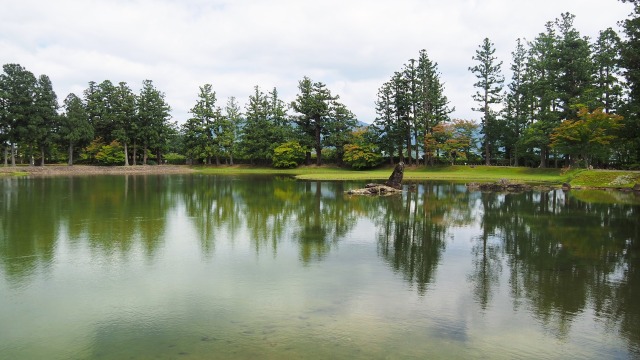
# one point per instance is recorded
(51, 170)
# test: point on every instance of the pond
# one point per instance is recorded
(236, 267)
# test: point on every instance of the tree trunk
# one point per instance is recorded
(70, 162)
(217, 160)
(126, 155)
(144, 155)
(543, 157)
(135, 153)
(318, 147)
(159, 157)
(6, 155)
(417, 149)
(13, 154)
(42, 156)
(409, 150)
(230, 159)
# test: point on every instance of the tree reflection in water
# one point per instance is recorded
(560, 256)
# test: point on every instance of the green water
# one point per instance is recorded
(206, 267)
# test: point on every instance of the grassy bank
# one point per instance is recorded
(464, 174)
(577, 178)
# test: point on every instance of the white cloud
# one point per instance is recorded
(353, 46)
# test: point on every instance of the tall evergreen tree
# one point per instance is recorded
(541, 78)
(206, 124)
(339, 129)
(233, 123)
(153, 115)
(99, 100)
(516, 109)
(630, 56)
(575, 68)
(433, 106)
(75, 128)
(44, 121)
(489, 85)
(280, 130)
(18, 87)
(385, 124)
(255, 133)
(606, 58)
(124, 114)
(401, 103)
(313, 103)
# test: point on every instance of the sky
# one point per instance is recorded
(352, 46)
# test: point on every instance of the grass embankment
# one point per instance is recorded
(458, 173)
(579, 178)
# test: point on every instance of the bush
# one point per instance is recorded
(112, 154)
(88, 155)
(288, 155)
(175, 159)
(361, 156)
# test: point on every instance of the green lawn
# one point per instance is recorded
(457, 173)
(454, 173)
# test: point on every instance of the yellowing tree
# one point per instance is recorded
(587, 137)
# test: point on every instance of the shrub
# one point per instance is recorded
(288, 155)
(361, 156)
(89, 153)
(112, 154)
(175, 159)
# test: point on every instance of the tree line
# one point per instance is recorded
(570, 101)
(567, 103)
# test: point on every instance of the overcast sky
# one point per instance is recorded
(353, 46)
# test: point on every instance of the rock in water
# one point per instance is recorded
(395, 180)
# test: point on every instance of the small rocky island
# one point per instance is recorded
(500, 185)
(390, 187)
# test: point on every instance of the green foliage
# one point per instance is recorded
(288, 155)
(489, 85)
(266, 125)
(175, 159)
(104, 154)
(321, 116)
(152, 121)
(454, 140)
(361, 156)
(588, 136)
(111, 154)
(409, 105)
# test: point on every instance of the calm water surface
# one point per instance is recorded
(201, 267)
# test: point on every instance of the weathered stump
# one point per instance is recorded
(395, 180)
(390, 187)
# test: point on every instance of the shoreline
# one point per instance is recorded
(82, 170)
(579, 180)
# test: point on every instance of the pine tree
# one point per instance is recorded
(313, 103)
(541, 80)
(18, 88)
(44, 121)
(205, 126)
(385, 124)
(153, 115)
(606, 58)
(233, 123)
(75, 127)
(489, 87)
(630, 61)
(516, 109)
(433, 106)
